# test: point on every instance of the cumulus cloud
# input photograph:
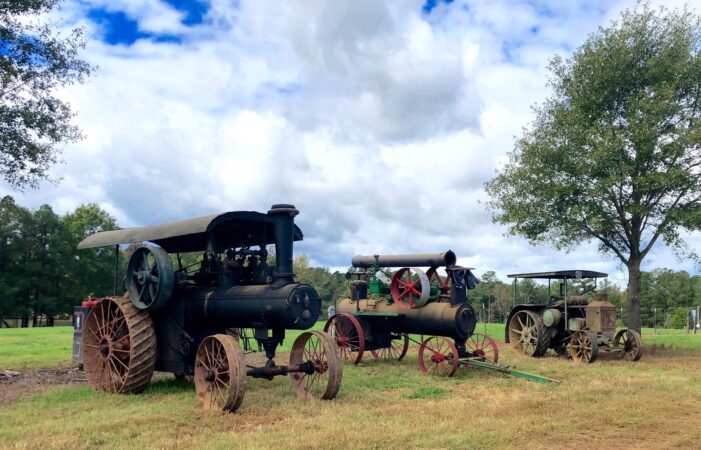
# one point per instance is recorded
(379, 120)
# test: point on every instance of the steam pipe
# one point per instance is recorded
(416, 260)
(283, 215)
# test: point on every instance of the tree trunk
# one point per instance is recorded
(49, 321)
(25, 321)
(634, 284)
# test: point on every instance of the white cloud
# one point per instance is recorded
(379, 123)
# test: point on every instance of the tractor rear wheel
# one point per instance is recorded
(528, 334)
(119, 347)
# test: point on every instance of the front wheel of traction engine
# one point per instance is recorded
(220, 373)
(119, 347)
(321, 367)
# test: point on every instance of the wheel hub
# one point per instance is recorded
(105, 348)
(438, 358)
(211, 375)
(143, 277)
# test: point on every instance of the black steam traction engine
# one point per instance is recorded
(382, 314)
(185, 320)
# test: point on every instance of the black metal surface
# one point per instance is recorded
(560, 275)
(231, 287)
(229, 230)
(410, 260)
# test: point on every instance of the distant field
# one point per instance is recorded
(655, 403)
(33, 348)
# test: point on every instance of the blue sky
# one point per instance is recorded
(380, 120)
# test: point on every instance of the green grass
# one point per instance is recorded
(34, 348)
(608, 404)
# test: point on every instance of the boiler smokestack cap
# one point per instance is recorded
(283, 208)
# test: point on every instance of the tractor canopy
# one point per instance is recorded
(225, 230)
(560, 275)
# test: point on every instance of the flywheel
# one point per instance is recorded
(119, 347)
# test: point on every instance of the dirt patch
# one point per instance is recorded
(15, 385)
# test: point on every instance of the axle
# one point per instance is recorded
(270, 370)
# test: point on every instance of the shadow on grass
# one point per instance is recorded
(169, 386)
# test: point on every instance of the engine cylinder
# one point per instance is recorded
(292, 306)
(440, 319)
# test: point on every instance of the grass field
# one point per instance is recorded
(655, 403)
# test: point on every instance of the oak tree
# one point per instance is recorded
(613, 154)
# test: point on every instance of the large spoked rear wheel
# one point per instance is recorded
(220, 373)
(629, 343)
(439, 356)
(396, 351)
(119, 347)
(320, 350)
(583, 346)
(528, 334)
(349, 336)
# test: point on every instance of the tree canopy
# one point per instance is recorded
(614, 154)
(35, 60)
(41, 270)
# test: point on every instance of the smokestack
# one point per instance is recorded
(283, 215)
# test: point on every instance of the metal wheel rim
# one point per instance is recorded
(107, 350)
(581, 347)
(483, 346)
(119, 347)
(396, 351)
(405, 293)
(150, 282)
(437, 355)
(321, 350)
(348, 335)
(442, 283)
(220, 373)
(523, 329)
(631, 343)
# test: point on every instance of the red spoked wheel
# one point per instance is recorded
(348, 334)
(442, 283)
(437, 355)
(320, 350)
(410, 288)
(483, 346)
(396, 351)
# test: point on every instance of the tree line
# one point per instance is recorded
(42, 273)
(41, 270)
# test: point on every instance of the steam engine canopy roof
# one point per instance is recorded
(229, 230)
(560, 275)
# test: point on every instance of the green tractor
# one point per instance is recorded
(572, 325)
